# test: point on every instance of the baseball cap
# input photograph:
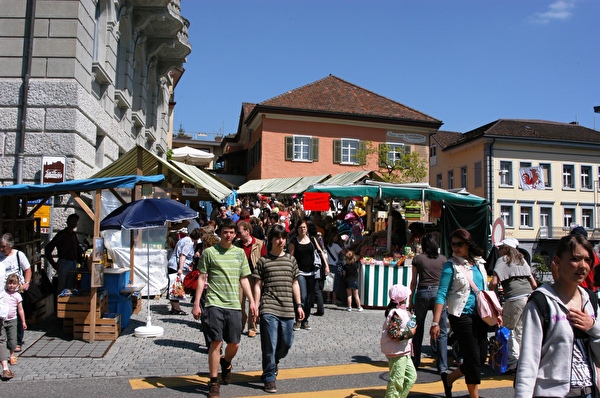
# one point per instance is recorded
(512, 242)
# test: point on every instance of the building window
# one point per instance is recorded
(546, 172)
(587, 218)
(432, 151)
(478, 170)
(545, 217)
(349, 151)
(463, 177)
(395, 152)
(586, 178)
(526, 217)
(438, 181)
(524, 165)
(568, 176)
(451, 179)
(506, 213)
(301, 148)
(568, 217)
(506, 177)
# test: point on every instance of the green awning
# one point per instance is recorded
(303, 184)
(253, 186)
(348, 178)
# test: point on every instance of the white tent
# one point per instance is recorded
(191, 155)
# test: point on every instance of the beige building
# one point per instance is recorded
(87, 80)
(487, 162)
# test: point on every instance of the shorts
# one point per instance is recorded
(352, 284)
(222, 324)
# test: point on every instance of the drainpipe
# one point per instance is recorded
(24, 92)
(490, 195)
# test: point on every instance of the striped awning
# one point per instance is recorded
(348, 178)
(303, 184)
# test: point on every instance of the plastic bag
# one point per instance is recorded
(176, 292)
(498, 350)
(329, 281)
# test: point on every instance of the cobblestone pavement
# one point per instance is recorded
(338, 337)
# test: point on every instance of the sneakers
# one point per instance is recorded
(360, 309)
(226, 371)
(270, 387)
(305, 326)
(349, 309)
(214, 390)
(296, 326)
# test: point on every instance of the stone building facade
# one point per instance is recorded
(86, 79)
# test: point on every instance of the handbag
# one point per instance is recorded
(329, 282)
(190, 282)
(488, 305)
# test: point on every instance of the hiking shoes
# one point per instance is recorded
(214, 390)
(226, 371)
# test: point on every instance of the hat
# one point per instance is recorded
(512, 242)
(579, 230)
(399, 293)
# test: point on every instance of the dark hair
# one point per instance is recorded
(227, 223)
(465, 236)
(430, 246)
(276, 231)
(333, 232)
(72, 216)
(311, 228)
(568, 244)
(195, 234)
(300, 222)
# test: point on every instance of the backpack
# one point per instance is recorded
(541, 302)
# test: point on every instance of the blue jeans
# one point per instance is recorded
(425, 299)
(65, 280)
(276, 338)
(307, 294)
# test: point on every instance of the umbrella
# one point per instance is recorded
(145, 214)
(190, 155)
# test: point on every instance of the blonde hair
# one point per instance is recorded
(12, 278)
(350, 257)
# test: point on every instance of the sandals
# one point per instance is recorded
(7, 374)
(177, 312)
(13, 360)
(18, 348)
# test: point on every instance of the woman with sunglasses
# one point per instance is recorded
(455, 291)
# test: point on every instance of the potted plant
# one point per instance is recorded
(541, 268)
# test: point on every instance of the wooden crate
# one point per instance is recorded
(68, 326)
(106, 329)
(43, 309)
(79, 306)
(136, 304)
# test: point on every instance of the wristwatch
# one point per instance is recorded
(299, 305)
(434, 324)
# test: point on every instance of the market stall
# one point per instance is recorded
(384, 264)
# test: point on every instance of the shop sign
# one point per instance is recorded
(53, 169)
(409, 138)
(316, 201)
(189, 191)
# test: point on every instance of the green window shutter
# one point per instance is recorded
(289, 148)
(407, 149)
(362, 152)
(380, 155)
(337, 151)
(314, 149)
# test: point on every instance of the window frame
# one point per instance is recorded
(570, 176)
(464, 177)
(450, 179)
(349, 154)
(590, 177)
(509, 210)
(506, 173)
(547, 168)
(526, 210)
(573, 216)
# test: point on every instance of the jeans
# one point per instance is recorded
(65, 280)
(307, 293)
(276, 338)
(319, 296)
(424, 302)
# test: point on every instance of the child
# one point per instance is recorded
(350, 275)
(15, 308)
(396, 343)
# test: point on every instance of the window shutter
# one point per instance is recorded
(362, 152)
(381, 159)
(337, 151)
(289, 148)
(406, 149)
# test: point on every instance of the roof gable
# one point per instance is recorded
(332, 96)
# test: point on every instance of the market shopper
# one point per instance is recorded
(181, 264)
(514, 275)
(69, 253)
(558, 357)
(226, 267)
(455, 291)
(426, 272)
(277, 289)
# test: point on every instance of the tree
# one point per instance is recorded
(397, 163)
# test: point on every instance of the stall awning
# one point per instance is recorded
(302, 184)
(271, 185)
(348, 178)
(34, 191)
(150, 164)
(206, 179)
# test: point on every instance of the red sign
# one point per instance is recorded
(316, 201)
(53, 169)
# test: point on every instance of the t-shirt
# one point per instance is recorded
(428, 269)
(11, 265)
(185, 246)
(513, 277)
(305, 256)
(277, 274)
(351, 271)
(224, 267)
(13, 300)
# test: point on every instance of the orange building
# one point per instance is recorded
(323, 128)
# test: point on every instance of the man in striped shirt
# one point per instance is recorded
(278, 291)
(226, 267)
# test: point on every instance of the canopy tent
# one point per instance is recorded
(191, 155)
(141, 161)
(271, 185)
(350, 177)
(302, 184)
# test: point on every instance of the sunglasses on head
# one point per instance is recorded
(457, 244)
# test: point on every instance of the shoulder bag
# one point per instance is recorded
(488, 306)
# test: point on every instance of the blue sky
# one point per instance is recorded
(465, 62)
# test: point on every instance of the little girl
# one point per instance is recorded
(15, 308)
(350, 274)
(396, 343)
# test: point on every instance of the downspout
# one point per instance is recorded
(490, 195)
(24, 92)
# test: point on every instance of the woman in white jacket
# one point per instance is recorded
(561, 360)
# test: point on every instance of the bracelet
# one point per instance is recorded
(434, 324)
(298, 305)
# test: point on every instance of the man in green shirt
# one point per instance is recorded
(226, 268)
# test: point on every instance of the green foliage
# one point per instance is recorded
(407, 167)
(542, 263)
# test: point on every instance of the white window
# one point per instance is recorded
(438, 181)
(506, 177)
(478, 170)
(302, 148)
(545, 216)
(526, 217)
(463, 177)
(547, 174)
(506, 213)
(432, 151)
(568, 176)
(587, 218)
(349, 151)
(396, 151)
(568, 217)
(586, 177)
(451, 179)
